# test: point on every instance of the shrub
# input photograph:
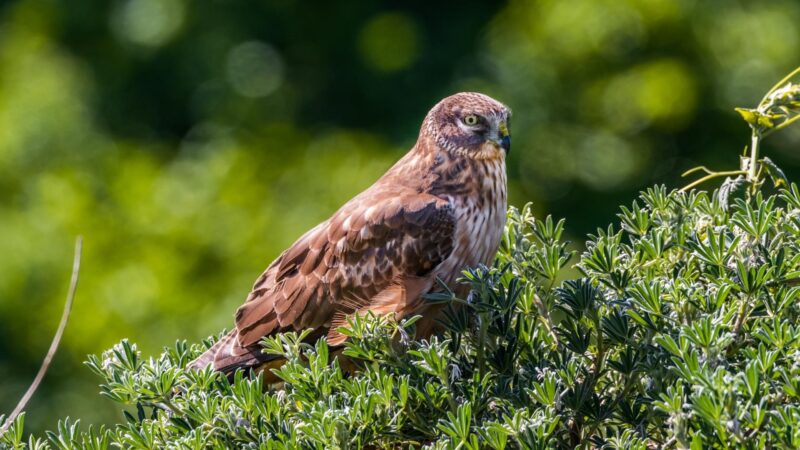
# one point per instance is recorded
(681, 332)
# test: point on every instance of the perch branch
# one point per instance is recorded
(73, 285)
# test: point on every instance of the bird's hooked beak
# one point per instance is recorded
(503, 138)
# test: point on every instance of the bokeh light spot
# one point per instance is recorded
(751, 44)
(150, 23)
(389, 42)
(255, 69)
(607, 28)
(605, 161)
(661, 94)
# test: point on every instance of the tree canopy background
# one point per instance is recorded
(191, 142)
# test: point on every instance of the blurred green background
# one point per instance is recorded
(190, 142)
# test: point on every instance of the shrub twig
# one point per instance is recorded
(73, 285)
(711, 175)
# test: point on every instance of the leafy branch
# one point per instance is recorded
(779, 108)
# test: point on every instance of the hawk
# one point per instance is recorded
(440, 209)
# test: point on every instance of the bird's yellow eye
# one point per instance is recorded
(471, 120)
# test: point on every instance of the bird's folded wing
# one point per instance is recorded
(376, 253)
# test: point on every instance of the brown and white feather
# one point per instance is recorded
(438, 210)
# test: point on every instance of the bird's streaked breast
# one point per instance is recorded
(480, 218)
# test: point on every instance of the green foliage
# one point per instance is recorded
(679, 333)
(192, 142)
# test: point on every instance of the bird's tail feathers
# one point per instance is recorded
(226, 356)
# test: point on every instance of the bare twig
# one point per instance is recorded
(752, 169)
(696, 169)
(782, 125)
(741, 316)
(73, 285)
(710, 176)
(545, 316)
(779, 84)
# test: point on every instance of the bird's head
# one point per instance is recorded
(470, 124)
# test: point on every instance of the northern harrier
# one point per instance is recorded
(437, 211)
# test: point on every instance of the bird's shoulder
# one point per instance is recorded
(381, 225)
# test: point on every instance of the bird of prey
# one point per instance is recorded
(438, 210)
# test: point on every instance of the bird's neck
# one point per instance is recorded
(444, 173)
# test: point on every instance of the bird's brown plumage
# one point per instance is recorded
(438, 210)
